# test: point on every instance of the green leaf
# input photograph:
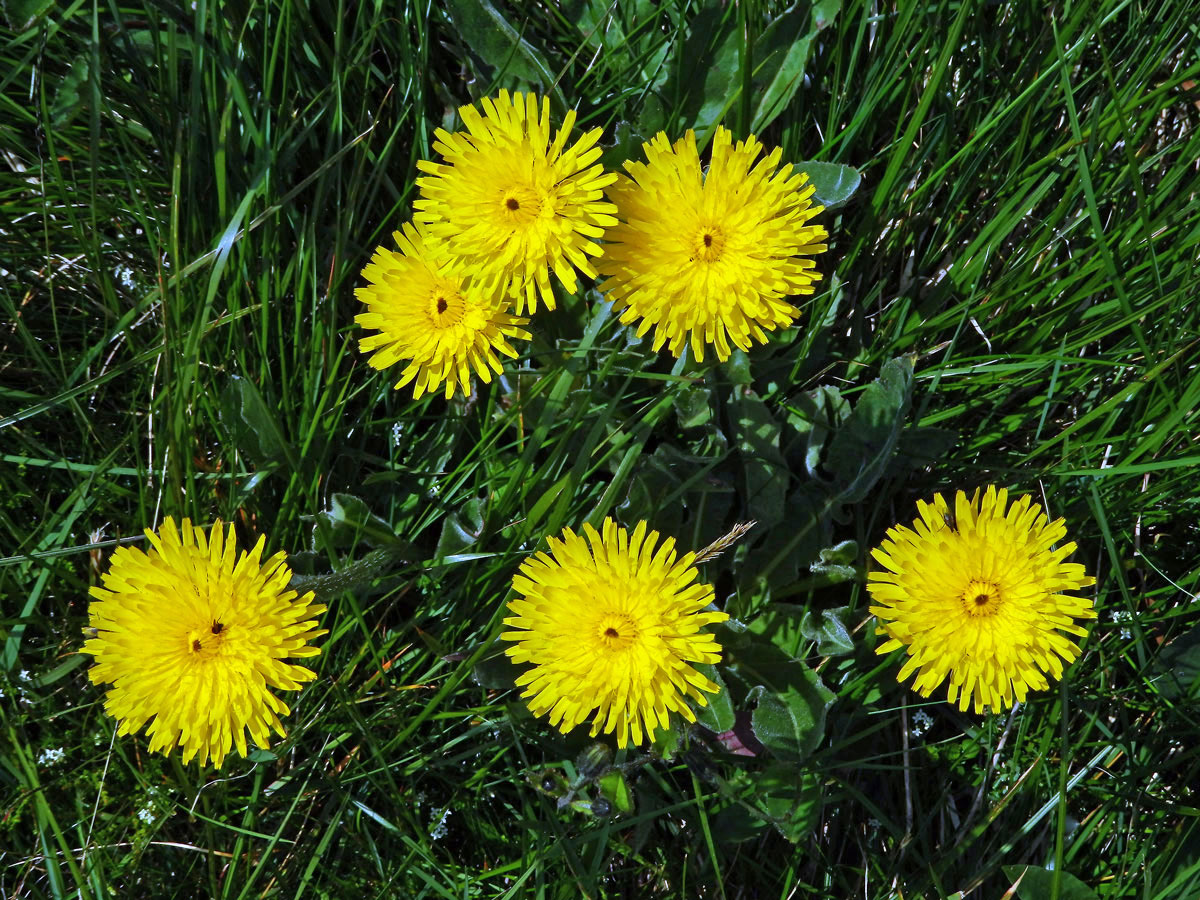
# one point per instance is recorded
(763, 467)
(498, 44)
(463, 528)
(615, 789)
(789, 718)
(863, 446)
(1178, 667)
(814, 416)
(834, 182)
(709, 63)
(351, 520)
(837, 564)
(255, 430)
(64, 668)
(21, 15)
(718, 715)
(781, 54)
(496, 672)
(1036, 883)
(829, 631)
(68, 97)
(790, 800)
(693, 406)
(667, 741)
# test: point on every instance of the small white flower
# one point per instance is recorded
(50, 757)
(24, 675)
(397, 431)
(921, 722)
(439, 830)
(124, 274)
(146, 813)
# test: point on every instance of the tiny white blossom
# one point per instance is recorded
(397, 431)
(439, 830)
(24, 675)
(124, 274)
(146, 813)
(921, 722)
(51, 756)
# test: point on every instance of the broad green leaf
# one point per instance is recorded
(496, 672)
(717, 716)
(489, 35)
(350, 519)
(836, 563)
(763, 468)
(834, 182)
(829, 631)
(862, 448)
(781, 53)
(615, 789)
(68, 97)
(667, 742)
(693, 406)
(813, 417)
(462, 528)
(789, 716)
(1036, 883)
(780, 623)
(1178, 667)
(790, 800)
(21, 15)
(254, 428)
(708, 70)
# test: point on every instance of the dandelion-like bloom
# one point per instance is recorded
(191, 636)
(613, 629)
(977, 596)
(442, 323)
(513, 202)
(710, 258)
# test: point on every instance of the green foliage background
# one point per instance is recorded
(187, 195)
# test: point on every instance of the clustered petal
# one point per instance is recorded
(513, 205)
(710, 258)
(441, 323)
(514, 202)
(609, 624)
(191, 636)
(978, 596)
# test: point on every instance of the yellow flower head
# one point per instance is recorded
(440, 322)
(190, 636)
(711, 257)
(978, 596)
(612, 629)
(513, 202)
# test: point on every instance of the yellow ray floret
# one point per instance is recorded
(190, 636)
(513, 202)
(710, 258)
(978, 596)
(440, 323)
(609, 627)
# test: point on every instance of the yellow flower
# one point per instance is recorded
(977, 596)
(612, 629)
(190, 636)
(512, 204)
(710, 258)
(441, 323)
